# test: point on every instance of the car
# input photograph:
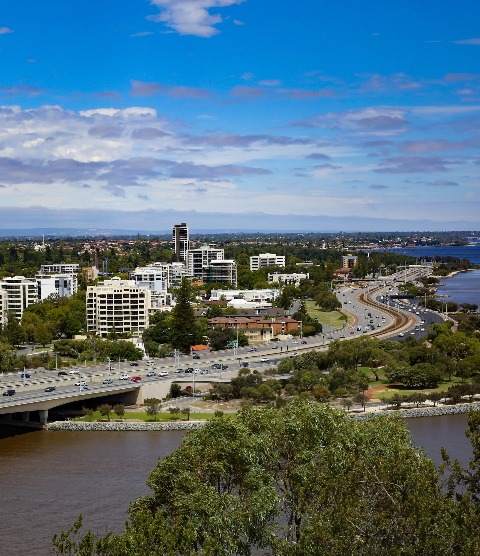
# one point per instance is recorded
(342, 336)
(124, 377)
(304, 342)
(252, 349)
(294, 342)
(195, 356)
(359, 328)
(401, 334)
(197, 371)
(134, 364)
(216, 366)
(245, 364)
(204, 372)
(179, 370)
(24, 375)
(162, 373)
(136, 378)
(151, 373)
(294, 354)
(50, 389)
(108, 381)
(81, 383)
(74, 372)
(62, 373)
(264, 360)
(9, 392)
(274, 346)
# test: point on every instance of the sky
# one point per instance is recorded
(240, 114)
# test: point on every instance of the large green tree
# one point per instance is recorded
(301, 480)
(183, 329)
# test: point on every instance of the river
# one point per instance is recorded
(48, 478)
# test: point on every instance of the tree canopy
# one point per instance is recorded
(303, 479)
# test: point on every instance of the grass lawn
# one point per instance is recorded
(336, 319)
(142, 416)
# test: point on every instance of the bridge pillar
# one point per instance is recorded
(26, 416)
(43, 415)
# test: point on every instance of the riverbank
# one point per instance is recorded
(122, 426)
(119, 426)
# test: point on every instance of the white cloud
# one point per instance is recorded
(191, 17)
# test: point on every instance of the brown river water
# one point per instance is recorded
(48, 478)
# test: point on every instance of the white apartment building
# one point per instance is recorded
(2, 307)
(118, 305)
(253, 296)
(176, 273)
(18, 293)
(199, 259)
(62, 268)
(266, 259)
(154, 277)
(60, 285)
(293, 278)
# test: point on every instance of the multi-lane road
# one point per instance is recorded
(371, 312)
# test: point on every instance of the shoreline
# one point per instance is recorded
(112, 426)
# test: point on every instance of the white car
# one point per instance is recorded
(162, 373)
(81, 383)
(150, 373)
(74, 372)
(125, 377)
(264, 360)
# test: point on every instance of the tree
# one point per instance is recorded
(361, 399)
(105, 410)
(153, 406)
(303, 479)
(183, 318)
(186, 412)
(175, 390)
(119, 409)
(12, 330)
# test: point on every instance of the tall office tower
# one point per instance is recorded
(180, 241)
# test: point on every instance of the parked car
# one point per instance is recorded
(304, 342)
(162, 373)
(245, 364)
(252, 349)
(62, 373)
(134, 364)
(108, 381)
(74, 372)
(50, 389)
(124, 377)
(9, 392)
(195, 356)
(81, 383)
(150, 373)
(136, 378)
(24, 375)
(264, 360)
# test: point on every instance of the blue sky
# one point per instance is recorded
(240, 114)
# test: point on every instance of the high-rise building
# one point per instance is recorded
(199, 259)
(19, 293)
(181, 241)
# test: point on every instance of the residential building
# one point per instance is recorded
(256, 328)
(181, 241)
(292, 278)
(258, 296)
(59, 285)
(117, 305)
(221, 271)
(199, 259)
(19, 292)
(266, 259)
(154, 277)
(349, 261)
(62, 268)
(177, 272)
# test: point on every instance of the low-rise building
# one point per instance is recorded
(257, 296)
(266, 259)
(59, 285)
(257, 328)
(292, 278)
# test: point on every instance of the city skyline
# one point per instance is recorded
(138, 114)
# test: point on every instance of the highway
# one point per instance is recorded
(372, 314)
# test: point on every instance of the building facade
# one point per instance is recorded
(292, 278)
(181, 241)
(59, 285)
(266, 259)
(18, 293)
(117, 305)
(198, 260)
